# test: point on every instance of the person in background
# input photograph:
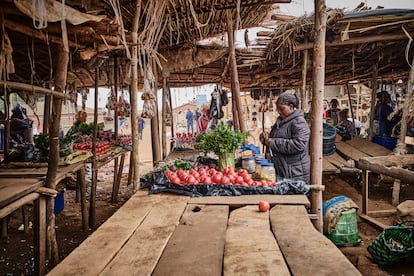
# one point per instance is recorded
(345, 128)
(333, 112)
(190, 119)
(357, 125)
(325, 105)
(197, 114)
(202, 122)
(141, 125)
(382, 110)
(288, 140)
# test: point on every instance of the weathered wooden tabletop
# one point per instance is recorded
(166, 234)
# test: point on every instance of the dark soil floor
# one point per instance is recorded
(16, 251)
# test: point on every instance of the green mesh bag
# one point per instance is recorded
(394, 244)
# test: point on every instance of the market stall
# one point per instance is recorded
(14, 194)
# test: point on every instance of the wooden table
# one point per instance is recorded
(390, 165)
(15, 193)
(166, 234)
(62, 172)
(350, 151)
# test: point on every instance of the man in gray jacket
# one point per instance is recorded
(288, 141)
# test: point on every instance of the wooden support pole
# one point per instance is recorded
(115, 188)
(373, 101)
(401, 146)
(46, 114)
(37, 89)
(317, 98)
(116, 120)
(6, 125)
(234, 74)
(60, 84)
(92, 211)
(303, 98)
(80, 178)
(39, 238)
(164, 119)
(155, 129)
(134, 159)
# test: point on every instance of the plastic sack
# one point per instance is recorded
(394, 244)
(158, 182)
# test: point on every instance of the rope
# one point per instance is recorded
(197, 23)
(39, 8)
(118, 18)
(407, 48)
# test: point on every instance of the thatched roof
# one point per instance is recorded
(95, 32)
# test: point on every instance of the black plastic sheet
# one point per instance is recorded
(158, 183)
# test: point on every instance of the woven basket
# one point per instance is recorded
(394, 244)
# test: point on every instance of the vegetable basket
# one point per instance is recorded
(394, 244)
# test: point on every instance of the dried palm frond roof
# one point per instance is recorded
(355, 42)
(107, 32)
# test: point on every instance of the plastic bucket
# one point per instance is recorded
(329, 135)
(346, 230)
(59, 202)
(385, 141)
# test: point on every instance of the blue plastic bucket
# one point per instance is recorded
(59, 202)
(385, 141)
(329, 135)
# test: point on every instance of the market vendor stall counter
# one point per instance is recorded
(167, 234)
(15, 193)
(23, 171)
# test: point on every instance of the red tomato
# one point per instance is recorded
(231, 178)
(192, 171)
(271, 183)
(239, 180)
(175, 180)
(208, 180)
(191, 180)
(246, 178)
(225, 180)
(264, 206)
(212, 171)
(216, 178)
(202, 170)
(242, 172)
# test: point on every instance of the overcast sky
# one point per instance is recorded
(300, 7)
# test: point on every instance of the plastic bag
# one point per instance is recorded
(158, 183)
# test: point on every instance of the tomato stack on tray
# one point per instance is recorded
(101, 147)
(205, 176)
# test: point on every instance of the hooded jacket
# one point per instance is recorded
(289, 146)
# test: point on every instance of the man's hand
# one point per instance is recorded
(264, 138)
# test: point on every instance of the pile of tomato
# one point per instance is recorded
(126, 139)
(186, 139)
(212, 176)
(101, 147)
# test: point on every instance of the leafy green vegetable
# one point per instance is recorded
(221, 140)
(182, 164)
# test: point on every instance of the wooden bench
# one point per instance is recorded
(306, 250)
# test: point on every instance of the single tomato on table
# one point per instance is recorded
(263, 206)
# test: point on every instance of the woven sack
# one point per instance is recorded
(394, 244)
